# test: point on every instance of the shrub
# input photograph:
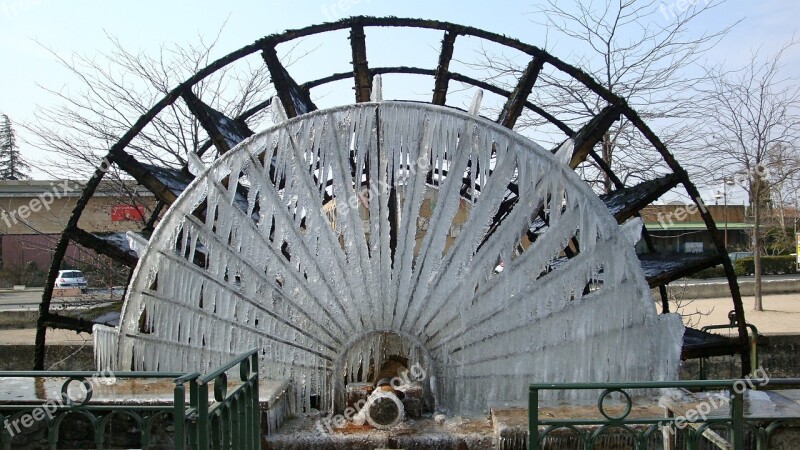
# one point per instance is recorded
(27, 274)
(770, 265)
(711, 272)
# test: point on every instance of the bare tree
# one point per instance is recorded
(752, 116)
(639, 50)
(109, 91)
(780, 226)
(104, 96)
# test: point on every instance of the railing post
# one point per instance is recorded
(533, 419)
(236, 422)
(737, 418)
(246, 408)
(256, 420)
(178, 415)
(226, 426)
(669, 432)
(202, 416)
(216, 431)
(194, 432)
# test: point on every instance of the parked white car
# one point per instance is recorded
(71, 278)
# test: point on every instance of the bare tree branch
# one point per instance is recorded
(751, 118)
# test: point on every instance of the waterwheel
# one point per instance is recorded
(317, 238)
(467, 238)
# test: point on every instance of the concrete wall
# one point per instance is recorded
(779, 359)
(57, 357)
(720, 290)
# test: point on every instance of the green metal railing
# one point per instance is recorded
(752, 339)
(639, 428)
(696, 426)
(231, 421)
(51, 412)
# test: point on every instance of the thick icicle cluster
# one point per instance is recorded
(311, 238)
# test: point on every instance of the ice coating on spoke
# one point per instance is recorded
(344, 237)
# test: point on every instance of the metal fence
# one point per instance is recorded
(231, 421)
(734, 430)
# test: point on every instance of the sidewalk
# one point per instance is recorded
(781, 313)
(54, 337)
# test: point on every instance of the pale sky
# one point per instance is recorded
(79, 26)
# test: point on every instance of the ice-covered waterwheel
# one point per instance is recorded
(486, 258)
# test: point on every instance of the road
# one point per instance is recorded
(30, 298)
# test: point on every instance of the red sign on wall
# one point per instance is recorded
(121, 213)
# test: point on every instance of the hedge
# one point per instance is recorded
(770, 265)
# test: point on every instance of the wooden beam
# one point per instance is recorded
(592, 133)
(451, 76)
(223, 131)
(660, 270)
(516, 101)
(151, 222)
(143, 175)
(627, 202)
(442, 74)
(363, 80)
(295, 100)
(103, 246)
(68, 323)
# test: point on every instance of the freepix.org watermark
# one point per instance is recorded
(16, 7)
(48, 408)
(338, 9)
(42, 201)
(700, 412)
(45, 199)
(671, 10)
(363, 196)
(326, 425)
(681, 213)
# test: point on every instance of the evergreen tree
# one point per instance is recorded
(12, 166)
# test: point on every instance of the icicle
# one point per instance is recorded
(376, 94)
(475, 106)
(137, 242)
(289, 269)
(278, 112)
(632, 230)
(564, 152)
(196, 165)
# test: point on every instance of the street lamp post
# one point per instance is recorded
(726, 181)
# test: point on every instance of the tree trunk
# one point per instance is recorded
(757, 243)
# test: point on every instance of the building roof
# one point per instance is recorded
(64, 188)
(689, 226)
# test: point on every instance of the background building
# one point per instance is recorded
(33, 214)
(678, 228)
